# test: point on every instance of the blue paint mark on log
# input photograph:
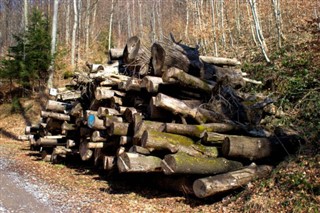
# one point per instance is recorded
(91, 120)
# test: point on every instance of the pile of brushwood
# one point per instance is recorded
(164, 110)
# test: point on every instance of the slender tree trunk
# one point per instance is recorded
(74, 33)
(53, 42)
(252, 27)
(259, 34)
(186, 31)
(214, 28)
(128, 20)
(153, 22)
(110, 25)
(223, 39)
(94, 15)
(87, 27)
(140, 18)
(67, 38)
(159, 16)
(25, 14)
(277, 15)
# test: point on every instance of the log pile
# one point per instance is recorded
(166, 110)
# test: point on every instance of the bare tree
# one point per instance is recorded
(25, 14)
(277, 15)
(53, 42)
(67, 34)
(74, 33)
(214, 28)
(110, 24)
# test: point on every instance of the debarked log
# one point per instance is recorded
(55, 115)
(186, 79)
(175, 143)
(246, 147)
(182, 163)
(57, 106)
(177, 106)
(134, 162)
(205, 187)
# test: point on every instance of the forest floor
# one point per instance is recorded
(74, 186)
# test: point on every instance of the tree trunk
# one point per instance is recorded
(110, 24)
(209, 186)
(74, 33)
(182, 163)
(53, 42)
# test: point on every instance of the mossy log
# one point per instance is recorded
(182, 163)
(57, 106)
(205, 187)
(55, 115)
(175, 143)
(177, 106)
(212, 138)
(134, 162)
(198, 130)
(143, 125)
(246, 147)
(187, 80)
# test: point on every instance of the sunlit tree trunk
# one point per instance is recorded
(110, 24)
(74, 34)
(53, 42)
(140, 19)
(128, 20)
(67, 38)
(214, 28)
(87, 27)
(186, 31)
(25, 14)
(277, 15)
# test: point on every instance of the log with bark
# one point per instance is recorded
(134, 162)
(55, 115)
(57, 106)
(220, 60)
(205, 187)
(182, 163)
(173, 143)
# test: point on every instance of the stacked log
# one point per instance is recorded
(163, 114)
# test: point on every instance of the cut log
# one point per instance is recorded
(104, 111)
(115, 54)
(69, 96)
(197, 130)
(108, 120)
(77, 110)
(95, 145)
(98, 136)
(246, 147)
(140, 127)
(175, 143)
(120, 129)
(131, 50)
(212, 138)
(103, 93)
(50, 142)
(157, 113)
(139, 150)
(70, 143)
(129, 114)
(45, 155)
(133, 84)
(134, 162)
(116, 101)
(205, 187)
(187, 80)
(220, 61)
(151, 83)
(57, 106)
(182, 163)
(108, 162)
(31, 130)
(125, 140)
(85, 152)
(178, 107)
(96, 123)
(68, 126)
(55, 115)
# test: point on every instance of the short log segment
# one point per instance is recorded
(205, 187)
(134, 162)
(246, 147)
(182, 163)
(57, 106)
(55, 115)
(103, 93)
(175, 143)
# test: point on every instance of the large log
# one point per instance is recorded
(246, 147)
(115, 54)
(134, 162)
(182, 163)
(186, 79)
(57, 106)
(198, 130)
(205, 187)
(103, 93)
(175, 143)
(55, 115)
(178, 107)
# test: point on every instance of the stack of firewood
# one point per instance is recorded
(166, 110)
